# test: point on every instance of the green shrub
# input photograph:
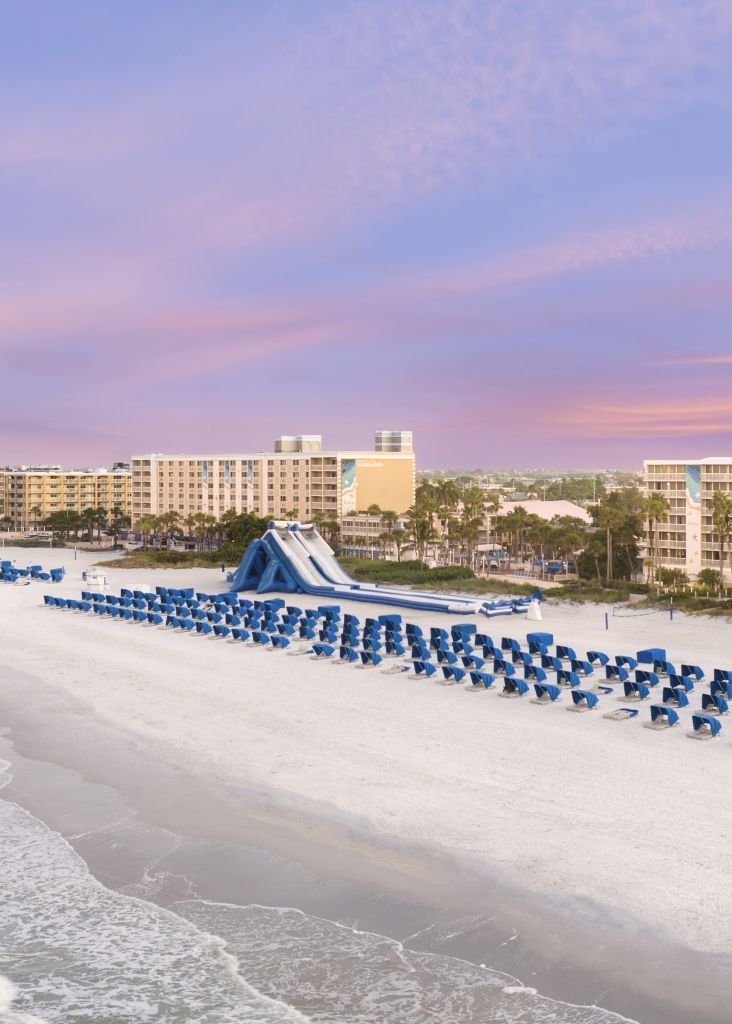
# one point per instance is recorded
(403, 573)
(25, 542)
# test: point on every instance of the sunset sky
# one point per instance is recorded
(505, 226)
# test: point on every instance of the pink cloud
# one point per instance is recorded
(711, 360)
(610, 418)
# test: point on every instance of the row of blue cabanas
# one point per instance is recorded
(10, 573)
(461, 654)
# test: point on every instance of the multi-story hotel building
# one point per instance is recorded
(28, 495)
(297, 480)
(686, 540)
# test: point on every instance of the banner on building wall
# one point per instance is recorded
(227, 486)
(250, 485)
(693, 519)
(348, 486)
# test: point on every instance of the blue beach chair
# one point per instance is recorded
(423, 668)
(546, 693)
(452, 674)
(714, 704)
(583, 700)
(514, 687)
(634, 691)
(598, 658)
(346, 655)
(704, 727)
(480, 681)
(616, 673)
(676, 698)
(662, 717)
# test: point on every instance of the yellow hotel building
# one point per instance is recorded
(298, 479)
(29, 495)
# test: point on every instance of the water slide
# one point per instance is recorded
(318, 578)
(293, 558)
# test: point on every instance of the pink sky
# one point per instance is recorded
(505, 227)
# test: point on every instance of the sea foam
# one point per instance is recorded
(77, 951)
(338, 974)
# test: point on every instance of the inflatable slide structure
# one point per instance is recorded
(292, 558)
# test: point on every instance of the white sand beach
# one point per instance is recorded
(607, 815)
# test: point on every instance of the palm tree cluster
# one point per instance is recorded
(327, 524)
(522, 534)
(206, 530)
(613, 552)
(459, 512)
(67, 524)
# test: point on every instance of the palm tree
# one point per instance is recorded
(499, 531)
(655, 509)
(515, 524)
(389, 519)
(119, 522)
(209, 526)
(100, 515)
(610, 515)
(446, 500)
(190, 522)
(419, 525)
(722, 523)
(540, 535)
(472, 519)
(36, 511)
(383, 542)
(168, 523)
(146, 526)
(88, 521)
(570, 536)
(398, 537)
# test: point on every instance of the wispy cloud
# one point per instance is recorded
(376, 104)
(704, 229)
(613, 418)
(703, 360)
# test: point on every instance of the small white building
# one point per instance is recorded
(547, 509)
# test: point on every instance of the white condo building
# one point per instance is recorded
(687, 539)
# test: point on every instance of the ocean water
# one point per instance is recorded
(77, 952)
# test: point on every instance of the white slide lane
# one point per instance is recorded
(310, 542)
(296, 553)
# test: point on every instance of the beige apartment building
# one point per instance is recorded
(687, 539)
(297, 480)
(28, 495)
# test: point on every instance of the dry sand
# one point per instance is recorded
(605, 814)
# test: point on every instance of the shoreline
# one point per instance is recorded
(353, 879)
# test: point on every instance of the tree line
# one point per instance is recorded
(68, 524)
